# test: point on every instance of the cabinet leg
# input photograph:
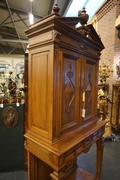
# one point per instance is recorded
(57, 175)
(37, 169)
(99, 157)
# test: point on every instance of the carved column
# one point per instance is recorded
(99, 144)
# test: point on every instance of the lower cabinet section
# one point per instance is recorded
(59, 161)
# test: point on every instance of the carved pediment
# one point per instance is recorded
(90, 33)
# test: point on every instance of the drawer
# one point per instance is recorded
(97, 134)
(88, 140)
(73, 152)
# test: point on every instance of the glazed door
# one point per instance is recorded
(89, 89)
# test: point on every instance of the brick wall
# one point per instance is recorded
(105, 18)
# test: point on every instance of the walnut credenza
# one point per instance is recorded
(62, 98)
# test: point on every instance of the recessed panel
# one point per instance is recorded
(69, 82)
(39, 90)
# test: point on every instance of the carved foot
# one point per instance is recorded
(57, 175)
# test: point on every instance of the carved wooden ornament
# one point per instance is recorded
(10, 117)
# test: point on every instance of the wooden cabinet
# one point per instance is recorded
(62, 97)
(115, 112)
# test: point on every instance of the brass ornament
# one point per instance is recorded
(10, 117)
(118, 72)
(104, 72)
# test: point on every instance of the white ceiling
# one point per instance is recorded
(14, 19)
(90, 5)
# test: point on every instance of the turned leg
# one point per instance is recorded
(99, 157)
(57, 175)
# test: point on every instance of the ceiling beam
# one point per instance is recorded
(16, 21)
(22, 20)
(9, 11)
(14, 40)
(5, 20)
(10, 50)
(19, 11)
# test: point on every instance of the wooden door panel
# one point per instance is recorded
(69, 93)
(40, 91)
(90, 89)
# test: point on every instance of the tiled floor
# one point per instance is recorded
(110, 168)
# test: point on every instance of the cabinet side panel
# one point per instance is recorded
(40, 92)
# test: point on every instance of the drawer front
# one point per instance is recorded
(88, 140)
(73, 152)
(98, 134)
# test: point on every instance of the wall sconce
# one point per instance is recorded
(118, 28)
(118, 72)
(117, 25)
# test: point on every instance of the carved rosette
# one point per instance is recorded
(57, 35)
(10, 117)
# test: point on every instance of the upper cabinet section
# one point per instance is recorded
(63, 76)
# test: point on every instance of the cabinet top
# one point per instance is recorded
(67, 25)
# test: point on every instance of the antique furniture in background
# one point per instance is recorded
(11, 137)
(62, 97)
(115, 110)
(11, 84)
(11, 117)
